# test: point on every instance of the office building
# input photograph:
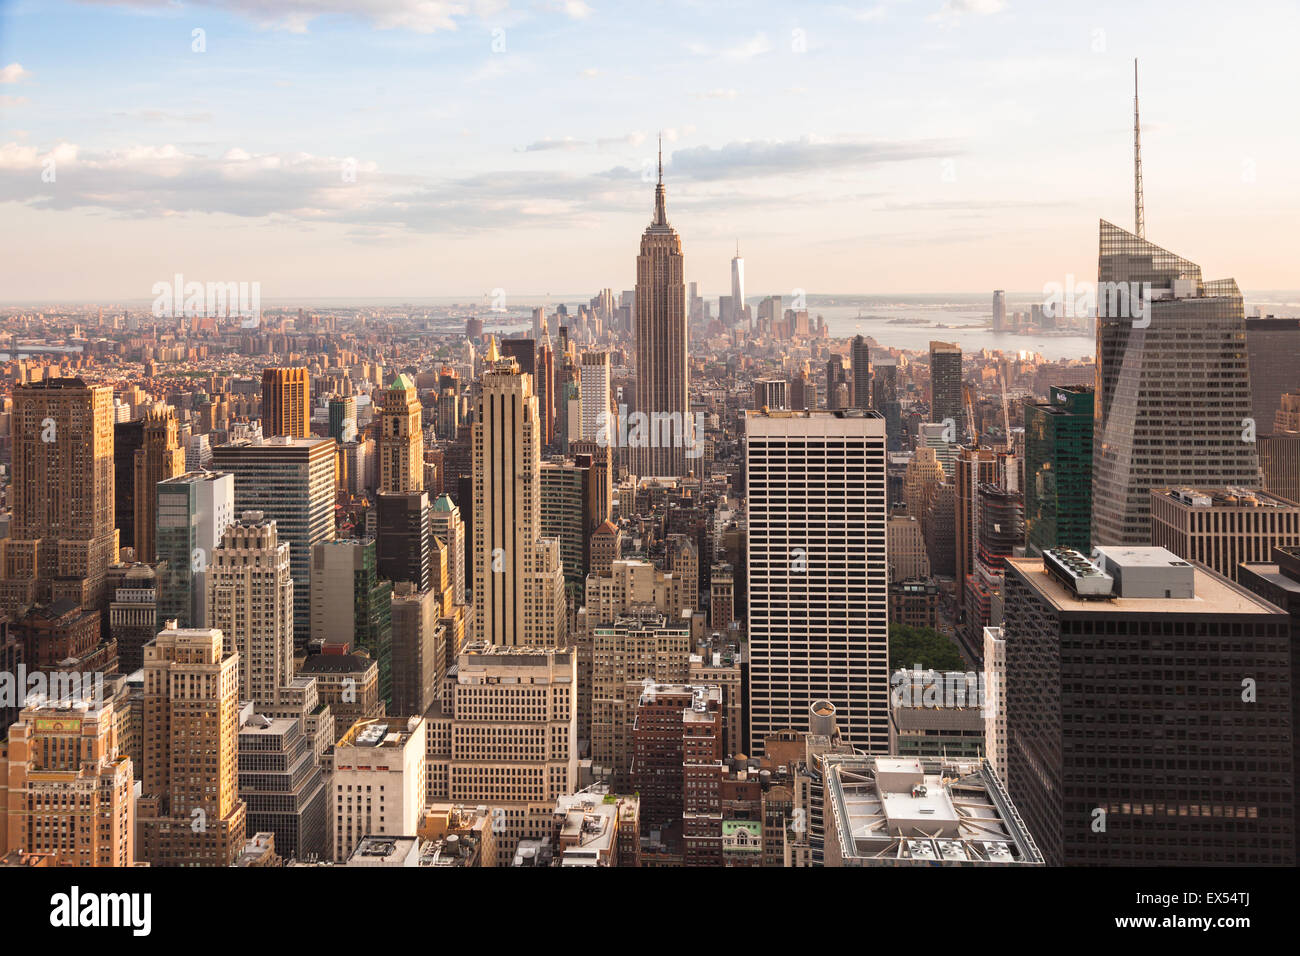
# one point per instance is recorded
(379, 781)
(282, 786)
(1058, 470)
(401, 439)
(419, 649)
(160, 457)
(291, 481)
(518, 578)
(641, 645)
(503, 735)
(190, 813)
(662, 370)
(351, 602)
(1173, 394)
(1222, 527)
(817, 612)
(860, 366)
(946, 385)
(1128, 730)
(194, 511)
(921, 811)
(594, 391)
(250, 600)
(68, 788)
(62, 537)
(286, 402)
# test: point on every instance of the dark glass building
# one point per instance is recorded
(1058, 470)
(1148, 710)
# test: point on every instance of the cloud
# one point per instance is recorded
(756, 45)
(13, 101)
(763, 158)
(953, 10)
(13, 73)
(574, 9)
(719, 94)
(164, 181)
(165, 116)
(417, 16)
(546, 145)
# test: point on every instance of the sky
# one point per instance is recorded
(414, 148)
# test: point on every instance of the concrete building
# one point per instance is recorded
(190, 813)
(281, 784)
(379, 781)
(1173, 394)
(908, 559)
(160, 457)
(995, 703)
(352, 604)
(913, 811)
(817, 613)
(518, 575)
(936, 714)
(62, 537)
(68, 790)
(291, 481)
(286, 402)
(250, 600)
(401, 439)
(503, 735)
(1223, 528)
(194, 511)
(419, 649)
(641, 645)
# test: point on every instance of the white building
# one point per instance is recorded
(379, 782)
(818, 572)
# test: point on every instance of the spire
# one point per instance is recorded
(661, 211)
(1139, 217)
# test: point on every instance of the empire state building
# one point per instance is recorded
(660, 448)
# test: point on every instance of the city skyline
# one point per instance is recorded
(391, 179)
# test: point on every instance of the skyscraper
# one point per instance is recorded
(1173, 399)
(351, 604)
(738, 313)
(250, 600)
(945, 384)
(1130, 740)
(190, 813)
(999, 310)
(401, 439)
(518, 580)
(860, 362)
(1058, 470)
(160, 457)
(343, 419)
(818, 575)
(593, 385)
(662, 374)
(62, 537)
(286, 402)
(291, 481)
(194, 511)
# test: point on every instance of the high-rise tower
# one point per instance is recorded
(1173, 398)
(737, 288)
(286, 402)
(518, 579)
(660, 327)
(401, 441)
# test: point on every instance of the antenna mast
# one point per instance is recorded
(1139, 218)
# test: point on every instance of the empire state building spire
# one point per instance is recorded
(661, 211)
